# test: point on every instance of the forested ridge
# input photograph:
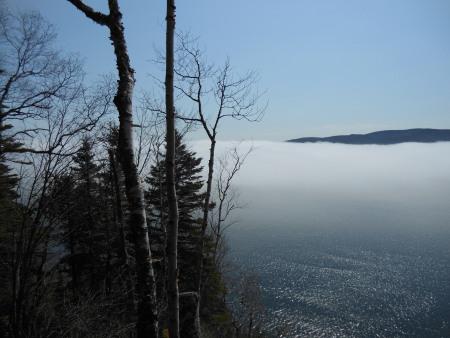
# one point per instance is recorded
(422, 135)
(110, 225)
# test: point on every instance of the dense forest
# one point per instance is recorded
(110, 225)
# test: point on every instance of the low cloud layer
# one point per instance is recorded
(405, 186)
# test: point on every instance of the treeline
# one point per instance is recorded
(112, 227)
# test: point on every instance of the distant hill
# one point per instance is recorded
(421, 135)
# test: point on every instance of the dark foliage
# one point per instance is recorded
(74, 255)
(189, 185)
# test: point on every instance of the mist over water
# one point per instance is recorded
(332, 185)
(349, 240)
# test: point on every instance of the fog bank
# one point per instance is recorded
(333, 185)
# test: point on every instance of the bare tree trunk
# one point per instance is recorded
(118, 209)
(147, 322)
(172, 226)
(163, 228)
(118, 215)
(209, 183)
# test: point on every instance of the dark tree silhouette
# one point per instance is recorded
(147, 324)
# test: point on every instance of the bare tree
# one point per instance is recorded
(149, 136)
(61, 128)
(147, 323)
(227, 198)
(250, 299)
(234, 98)
(246, 304)
(32, 75)
(172, 224)
(44, 110)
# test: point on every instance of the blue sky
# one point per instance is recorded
(329, 66)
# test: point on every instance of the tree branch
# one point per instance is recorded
(98, 17)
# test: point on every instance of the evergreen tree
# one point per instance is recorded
(85, 229)
(94, 269)
(8, 220)
(8, 145)
(189, 184)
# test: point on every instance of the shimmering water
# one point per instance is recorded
(351, 284)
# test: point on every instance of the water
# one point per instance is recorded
(348, 241)
(347, 284)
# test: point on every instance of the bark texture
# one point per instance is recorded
(172, 226)
(147, 322)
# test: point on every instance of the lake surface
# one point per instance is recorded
(351, 284)
(348, 241)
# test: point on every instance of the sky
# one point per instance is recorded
(328, 67)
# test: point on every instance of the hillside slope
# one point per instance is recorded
(422, 135)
